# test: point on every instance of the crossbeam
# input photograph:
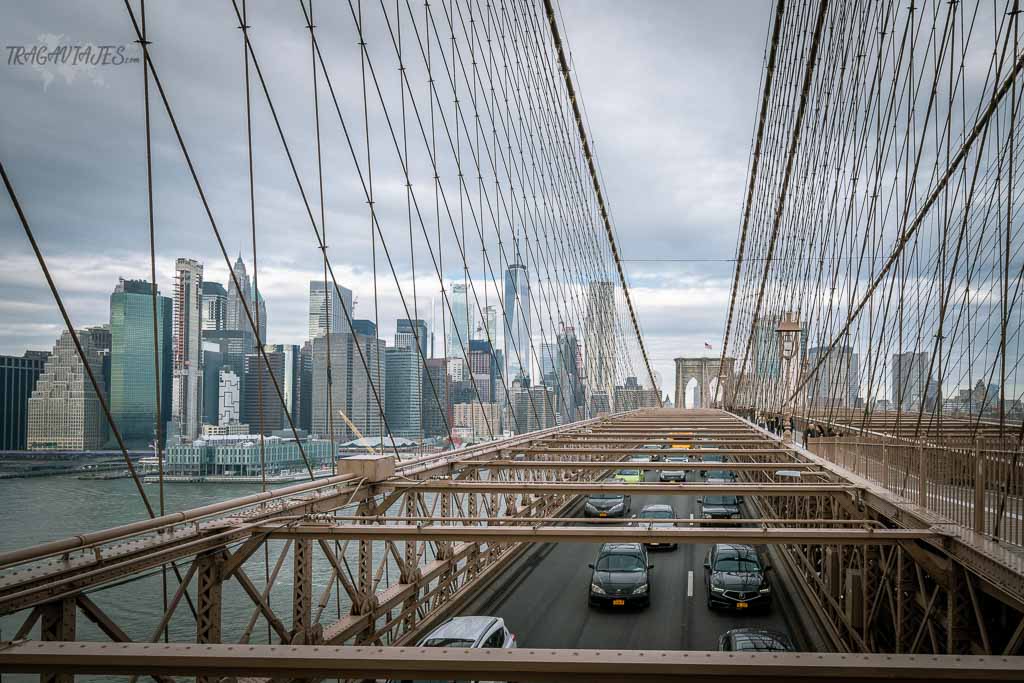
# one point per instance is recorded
(619, 464)
(526, 664)
(648, 451)
(628, 532)
(469, 486)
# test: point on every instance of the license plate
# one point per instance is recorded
(618, 602)
(742, 605)
(602, 514)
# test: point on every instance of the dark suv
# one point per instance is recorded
(621, 576)
(735, 578)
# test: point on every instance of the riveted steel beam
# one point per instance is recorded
(525, 664)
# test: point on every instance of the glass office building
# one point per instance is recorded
(132, 377)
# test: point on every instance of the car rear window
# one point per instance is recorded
(628, 473)
(720, 500)
(655, 514)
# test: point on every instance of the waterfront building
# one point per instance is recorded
(64, 411)
(133, 377)
(404, 392)
(239, 455)
(327, 308)
(186, 401)
(18, 375)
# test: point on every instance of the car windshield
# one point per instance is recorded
(629, 473)
(720, 500)
(606, 496)
(721, 474)
(447, 642)
(620, 563)
(656, 514)
(732, 561)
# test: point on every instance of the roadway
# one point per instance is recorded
(543, 599)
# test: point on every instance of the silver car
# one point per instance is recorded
(467, 632)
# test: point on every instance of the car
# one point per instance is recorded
(621, 576)
(721, 475)
(735, 578)
(629, 475)
(674, 475)
(712, 458)
(719, 506)
(755, 640)
(469, 632)
(649, 516)
(640, 458)
(606, 505)
(656, 448)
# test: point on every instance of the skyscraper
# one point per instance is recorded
(461, 321)
(517, 322)
(241, 296)
(229, 396)
(326, 306)
(404, 392)
(215, 307)
(909, 379)
(64, 411)
(548, 359)
(291, 383)
(305, 419)
(261, 406)
(186, 402)
(437, 409)
(18, 375)
(599, 336)
(351, 385)
(836, 384)
(569, 391)
(407, 332)
(133, 378)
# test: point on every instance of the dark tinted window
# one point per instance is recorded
(628, 473)
(656, 514)
(733, 560)
(447, 642)
(496, 639)
(761, 642)
(720, 500)
(620, 563)
(606, 496)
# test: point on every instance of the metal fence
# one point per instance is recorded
(975, 483)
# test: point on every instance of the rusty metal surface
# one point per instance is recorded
(527, 664)
(627, 531)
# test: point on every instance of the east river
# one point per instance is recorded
(43, 509)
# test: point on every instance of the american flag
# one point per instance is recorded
(707, 346)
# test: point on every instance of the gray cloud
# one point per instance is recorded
(670, 91)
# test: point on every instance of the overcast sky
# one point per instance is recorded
(670, 90)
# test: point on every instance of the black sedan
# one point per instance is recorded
(736, 578)
(606, 505)
(621, 576)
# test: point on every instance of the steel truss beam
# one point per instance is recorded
(464, 486)
(596, 534)
(527, 664)
(615, 464)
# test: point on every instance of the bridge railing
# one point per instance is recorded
(975, 483)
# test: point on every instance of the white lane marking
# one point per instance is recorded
(689, 584)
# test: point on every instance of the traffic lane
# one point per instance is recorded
(543, 598)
